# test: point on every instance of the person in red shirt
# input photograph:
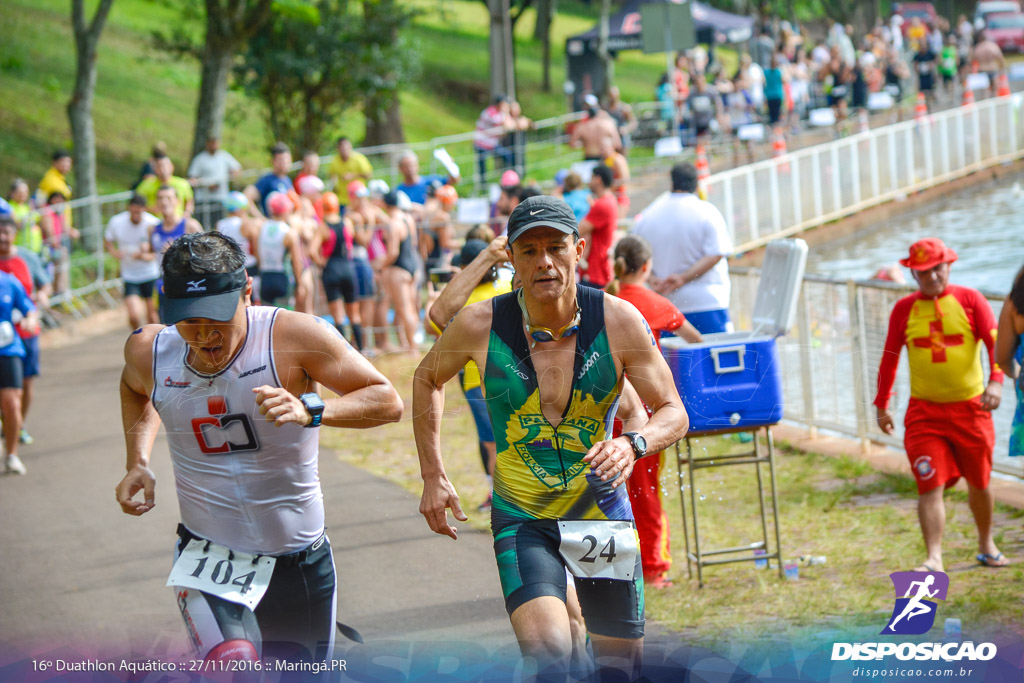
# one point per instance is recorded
(633, 264)
(948, 425)
(598, 228)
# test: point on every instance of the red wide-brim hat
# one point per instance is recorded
(928, 253)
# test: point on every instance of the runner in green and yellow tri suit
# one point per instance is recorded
(554, 359)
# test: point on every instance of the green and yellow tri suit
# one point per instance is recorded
(540, 476)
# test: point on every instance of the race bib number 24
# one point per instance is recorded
(233, 576)
(599, 549)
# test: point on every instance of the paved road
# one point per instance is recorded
(77, 573)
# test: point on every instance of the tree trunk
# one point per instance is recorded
(607, 65)
(382, 111)
(213, 90)
(542, 32)
(384, 125)
(79, 111)
(542, 25)
(229, 25)
(502, 70)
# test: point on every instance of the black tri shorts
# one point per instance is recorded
(530, 566)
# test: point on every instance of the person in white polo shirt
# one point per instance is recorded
(210, 175)
(127, 240)
(690, 243)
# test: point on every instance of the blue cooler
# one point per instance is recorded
(733, 379)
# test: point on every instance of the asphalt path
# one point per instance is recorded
(79, 577)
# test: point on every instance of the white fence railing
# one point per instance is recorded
(830, 359)
(800, 190)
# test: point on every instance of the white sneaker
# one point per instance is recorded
(14, 465)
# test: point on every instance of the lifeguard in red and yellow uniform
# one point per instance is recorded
(948, 425)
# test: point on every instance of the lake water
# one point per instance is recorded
(984, 225)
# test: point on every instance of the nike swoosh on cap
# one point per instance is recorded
(534, 213)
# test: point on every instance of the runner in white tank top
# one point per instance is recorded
(273, 246)
(252, 563)
(232, 226)
(227, 458)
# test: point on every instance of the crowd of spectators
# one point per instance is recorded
(785, 75)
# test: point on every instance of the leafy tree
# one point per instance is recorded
(229, 24)
(311, 63)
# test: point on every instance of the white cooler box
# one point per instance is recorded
(733, 379)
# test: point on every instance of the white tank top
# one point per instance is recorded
(272, 246)
(232, 227)
(242, 482)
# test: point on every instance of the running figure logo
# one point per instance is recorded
(914, 612)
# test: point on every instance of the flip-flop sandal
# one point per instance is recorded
(927, 567)
(987, 560)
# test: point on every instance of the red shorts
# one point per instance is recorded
(945, 441)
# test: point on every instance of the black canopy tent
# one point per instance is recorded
(713, 26)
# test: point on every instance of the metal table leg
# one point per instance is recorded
(693, 506)
(775, 499)
(682, 501)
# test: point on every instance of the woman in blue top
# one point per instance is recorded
(576, 195)
(1010, 355)
(773, 90)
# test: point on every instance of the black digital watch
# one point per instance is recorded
(638, 442)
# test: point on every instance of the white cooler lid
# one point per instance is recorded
(779, 290)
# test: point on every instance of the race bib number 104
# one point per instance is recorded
(231, 575)
(596, 549)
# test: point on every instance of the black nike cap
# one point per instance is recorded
(541, 212)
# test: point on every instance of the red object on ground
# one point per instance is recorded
(921, 108)
(1004, 86)
(703, 170)
(968, 96)
(779, 150)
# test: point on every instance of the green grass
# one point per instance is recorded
(143, 96)
(864, 522)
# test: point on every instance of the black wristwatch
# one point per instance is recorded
(638, 442)
(315, 405)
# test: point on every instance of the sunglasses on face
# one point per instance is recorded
(542, 334)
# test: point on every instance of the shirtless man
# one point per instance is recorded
(571, 489)
(589, 132)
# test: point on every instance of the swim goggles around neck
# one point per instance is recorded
(545, 334)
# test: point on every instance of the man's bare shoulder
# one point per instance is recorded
(627, 328)
(138, 349)
(295, 331)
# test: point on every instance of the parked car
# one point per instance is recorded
(983, 9)
(1006, 29)
(925, 11)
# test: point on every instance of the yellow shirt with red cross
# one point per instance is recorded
(942, 337)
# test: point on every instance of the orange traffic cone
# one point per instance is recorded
(968, 96)
(1004, 86)
(703, 172)
(921, 108)
(779, 149)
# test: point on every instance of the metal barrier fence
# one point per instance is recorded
(88, 265)
(830, 359)
(800, 190)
